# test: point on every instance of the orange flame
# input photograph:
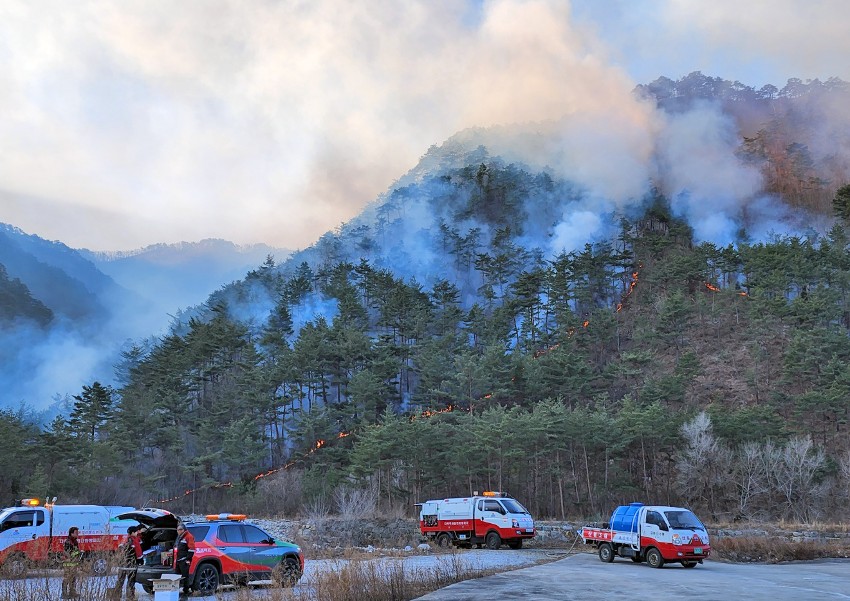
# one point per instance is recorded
(628, 293)
(712, 287)
(542, 352)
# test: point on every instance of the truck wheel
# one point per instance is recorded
(606, 553)
(654, 559)
(443, 540)
(206, 578)
(515, 544)
(689, 564)
(15, 566)
(493, 540)
(100, 565)
(637, 558)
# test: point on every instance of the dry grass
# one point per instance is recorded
(770, 549)
(386, 580)
(46, 585)
(352, 579)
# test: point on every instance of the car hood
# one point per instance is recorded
(152, 518)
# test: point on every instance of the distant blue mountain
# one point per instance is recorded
(175, 276)
(68, 314)
(58, 276)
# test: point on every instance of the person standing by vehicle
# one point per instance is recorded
(72, 557)
(130, 558)
(184, 550)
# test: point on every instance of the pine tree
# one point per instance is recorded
(92, 410)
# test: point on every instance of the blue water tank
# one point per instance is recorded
(625, 518)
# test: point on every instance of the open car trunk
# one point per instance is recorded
(160, 534)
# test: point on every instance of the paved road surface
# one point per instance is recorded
(584, 577)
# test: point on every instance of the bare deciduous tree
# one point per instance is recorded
(704, 464)
(750, 472)
(794, 478)
(354, 502)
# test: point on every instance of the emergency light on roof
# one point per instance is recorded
(234, 517)
(491, 493)
(30, 502)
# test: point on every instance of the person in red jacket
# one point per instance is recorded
(184, 550)
(130, 560)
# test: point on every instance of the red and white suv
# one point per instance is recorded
(227, 550)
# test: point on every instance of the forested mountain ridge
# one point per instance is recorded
(796, 135)
(17, 302)
(57, 275)
(495, 325)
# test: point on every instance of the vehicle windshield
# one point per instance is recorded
(683, 519)
(513, 506)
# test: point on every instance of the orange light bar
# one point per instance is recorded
(491, 493)
(30, 502)
(234, 517)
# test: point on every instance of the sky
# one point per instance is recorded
(125, 123)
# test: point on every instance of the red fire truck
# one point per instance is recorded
(488, 519)
(32, 533)
(655, 533)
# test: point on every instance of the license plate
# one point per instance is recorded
(529, 529)
(697, 550)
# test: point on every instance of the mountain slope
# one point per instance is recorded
(57, 275)
(17, 303)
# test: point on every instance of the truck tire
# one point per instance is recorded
(493, 541)
(637, 558)
(100, 565)
(606, 553)
(16, 566)
(654, 559)
(515, 544)
(443, 540)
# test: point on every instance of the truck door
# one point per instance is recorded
(493, 515)
(479, 526)
(654, 529)
(25, 530)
